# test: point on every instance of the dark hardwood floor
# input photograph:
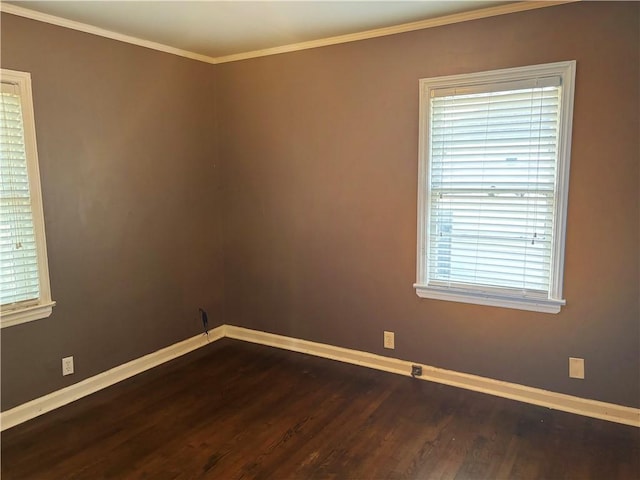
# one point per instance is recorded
(237, 410)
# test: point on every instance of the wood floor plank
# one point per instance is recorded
(234, 410)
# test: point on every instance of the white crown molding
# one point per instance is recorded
(323, 42)
(405, 27)
(59, 398)
(536, 396)
(101, 32)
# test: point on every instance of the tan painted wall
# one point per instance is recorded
(319, 151)
(313, 182)
(130, 185)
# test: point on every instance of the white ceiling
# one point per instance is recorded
(223, 28)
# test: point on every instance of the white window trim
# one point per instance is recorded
(42, 307)
(554, 302)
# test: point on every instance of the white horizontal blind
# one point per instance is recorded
(18, 254)
(493, 167)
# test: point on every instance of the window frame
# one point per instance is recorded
(498, 298)
(41, 307)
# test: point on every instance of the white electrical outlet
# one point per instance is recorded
(67, 365)
(389, 340)
(576, 367)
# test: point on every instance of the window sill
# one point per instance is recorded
(532, 304)
(9, 318)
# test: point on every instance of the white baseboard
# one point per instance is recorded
(514, 391)
(66, 395)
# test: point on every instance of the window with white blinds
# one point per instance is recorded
(493, 186)
(24, 281)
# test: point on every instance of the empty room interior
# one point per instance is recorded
(348, 240)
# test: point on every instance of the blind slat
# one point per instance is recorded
(516, 86)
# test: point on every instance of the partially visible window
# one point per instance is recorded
(24, 275)
(494, 176)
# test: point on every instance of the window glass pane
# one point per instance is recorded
(18, 255)
(492, 188)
